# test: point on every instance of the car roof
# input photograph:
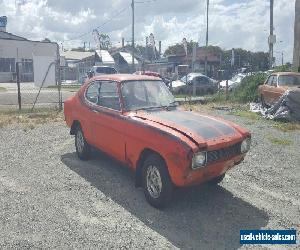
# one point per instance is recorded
(286, 74)
(195, 74)
(125, 77)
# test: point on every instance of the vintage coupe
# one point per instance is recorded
(276, 85)
(135, 119)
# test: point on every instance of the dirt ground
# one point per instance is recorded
(51, 199)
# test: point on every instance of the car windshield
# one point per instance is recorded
(105, 70)
(289, 80)
(146, 95)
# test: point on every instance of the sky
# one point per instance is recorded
(232, 23)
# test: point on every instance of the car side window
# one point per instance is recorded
(200, 80)
(274, 81)
(204, 80)
(108, 95)
(92, 92)
(270, 80)
(197, 80)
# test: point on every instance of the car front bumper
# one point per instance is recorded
(194, 177)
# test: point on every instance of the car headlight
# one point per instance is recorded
(245, 146)
(199, 160)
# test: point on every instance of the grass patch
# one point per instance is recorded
(279, 141)
(71, 87)
(2, 89)
(28, 118)
(188, 96)
(246, 114)
(287, 127)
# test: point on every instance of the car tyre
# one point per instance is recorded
(217, 180)
(83, 149)
(157, 184)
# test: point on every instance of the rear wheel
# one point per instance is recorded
(83, 149)
(157, 184)
(217, 180)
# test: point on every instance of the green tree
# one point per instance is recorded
(105, 42)
(178, 49)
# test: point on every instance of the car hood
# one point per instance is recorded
(199, 128)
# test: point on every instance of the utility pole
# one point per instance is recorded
(282, 58)
(296, 56)
(132, 6)
(271, 41)
(206, 45)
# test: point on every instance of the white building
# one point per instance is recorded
(35, 58)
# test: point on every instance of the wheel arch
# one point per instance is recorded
(74, 126)
(139, 166)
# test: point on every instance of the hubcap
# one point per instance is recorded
(154, 183)
(79, 141)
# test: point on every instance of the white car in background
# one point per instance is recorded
(98, 70)
(103, 70)
(233, 82)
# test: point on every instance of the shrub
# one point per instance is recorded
(247, 91)
(283, 68)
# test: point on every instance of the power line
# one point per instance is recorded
(104, 23)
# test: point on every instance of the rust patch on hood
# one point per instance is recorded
(196, 127)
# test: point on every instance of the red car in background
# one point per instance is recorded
(135, 119)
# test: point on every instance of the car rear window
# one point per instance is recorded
(105, 70)
(289, 80)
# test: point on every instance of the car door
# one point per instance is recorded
(281, 87)
(268, 89)
(107, 123)
(274, 91)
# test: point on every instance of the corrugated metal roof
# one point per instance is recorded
(6, 35)
(128, 57)
(105, 56)
(77, 55)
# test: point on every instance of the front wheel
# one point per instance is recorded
(83, 149)
(157, 184)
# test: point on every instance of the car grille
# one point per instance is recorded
(223, 153)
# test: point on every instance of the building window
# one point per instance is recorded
(7, 65)
(27, 66)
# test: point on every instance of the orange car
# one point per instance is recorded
(276, 85)
(135, 119)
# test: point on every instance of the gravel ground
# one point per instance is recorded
(50, 199)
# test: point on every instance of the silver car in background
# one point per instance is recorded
(203, 84)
